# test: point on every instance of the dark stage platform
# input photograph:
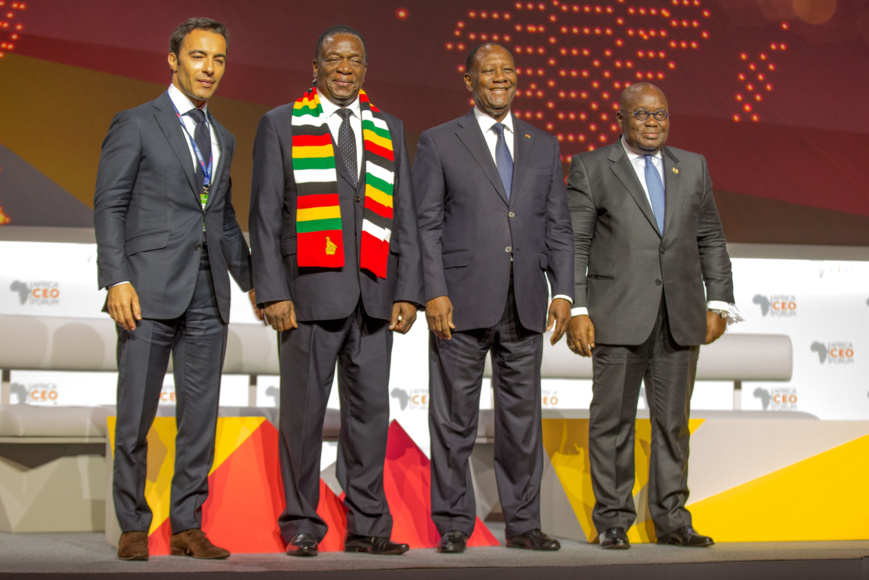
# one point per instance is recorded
(88, 555)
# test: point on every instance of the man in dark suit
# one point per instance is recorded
(336, 257)
(494, 225)
(647, 241)
(166, 234)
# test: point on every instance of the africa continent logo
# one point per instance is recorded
(574, 59)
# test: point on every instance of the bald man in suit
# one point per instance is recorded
(653, 282)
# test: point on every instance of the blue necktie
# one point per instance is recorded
(503, 159)
(656, 191)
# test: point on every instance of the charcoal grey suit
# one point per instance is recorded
(646, 295)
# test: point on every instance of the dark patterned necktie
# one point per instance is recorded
(503, 159)
(202, 136)
(347, 145)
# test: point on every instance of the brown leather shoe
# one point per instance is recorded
(133, 546)
(194, 543)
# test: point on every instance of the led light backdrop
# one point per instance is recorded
(769, 90)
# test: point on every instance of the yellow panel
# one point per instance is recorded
(231, 433)
(819, 498)
(566, 443)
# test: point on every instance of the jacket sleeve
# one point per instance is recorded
(714, 260)
(409, 287)
(559, 233)
(266, 214)
(584, 217)
(116, 178)
(429, 189)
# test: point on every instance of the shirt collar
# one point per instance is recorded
(486, 122)
(634, 154)
(182, 102)
(330, 108)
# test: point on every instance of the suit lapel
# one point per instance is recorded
(168, 121)
(219, 132)
(672, 185)
(624, 171)
(522, 145)
(471, 136)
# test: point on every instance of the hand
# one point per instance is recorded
(715, 326)
(403, 317)
(281, 315)
(559, 315)
(123, 306)
(439, 315)
(580, 335)
(257, 311)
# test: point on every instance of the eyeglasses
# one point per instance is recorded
(642, 115)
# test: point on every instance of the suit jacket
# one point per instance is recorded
(469, 230)
(148, 217)
(327, 293)
(631, 267)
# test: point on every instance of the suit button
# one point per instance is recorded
(511, 214)
(197, 247)
(358, 199)
(508, 249)
(658, 282)
(663, 250)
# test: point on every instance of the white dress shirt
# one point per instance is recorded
(334, 120)
(183, 104)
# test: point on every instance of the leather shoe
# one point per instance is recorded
(303, 544)
(133, 546)
(453, 542)
(534, 540)
(373, 545)
(687, 537)
(614, 539)
(194, 543)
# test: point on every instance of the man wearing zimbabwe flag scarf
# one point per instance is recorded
(337, 266)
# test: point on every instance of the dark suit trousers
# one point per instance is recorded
(455, 376)
(197, 342)
(362, 347)
(668, 370)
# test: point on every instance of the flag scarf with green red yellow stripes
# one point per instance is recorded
(318, 214)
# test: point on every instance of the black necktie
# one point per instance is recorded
(202, 136)
(347, 145)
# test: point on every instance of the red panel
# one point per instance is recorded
(407, 482)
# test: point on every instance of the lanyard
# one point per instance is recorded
(206, 170)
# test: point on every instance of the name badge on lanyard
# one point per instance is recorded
(206, 169)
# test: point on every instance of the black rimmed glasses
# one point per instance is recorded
(643, 114)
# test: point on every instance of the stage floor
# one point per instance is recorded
(88, 555)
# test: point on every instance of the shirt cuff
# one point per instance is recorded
(119, 283)
(733, 313)
(579, 311)
(564, 296)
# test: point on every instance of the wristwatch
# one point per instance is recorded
(722, 313)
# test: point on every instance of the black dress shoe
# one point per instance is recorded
(373, 545)
(614, 539)
(687, 537)
(453, 542)
(303, 544)
(534, 540)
